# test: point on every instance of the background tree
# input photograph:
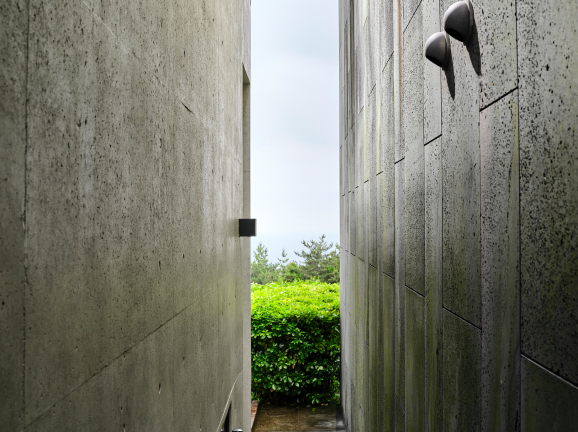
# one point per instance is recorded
(331, 267)
(319, 263)
(263, 271)
(292, 272)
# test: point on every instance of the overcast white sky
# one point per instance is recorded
(294, 123)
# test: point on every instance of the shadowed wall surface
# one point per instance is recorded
(124, 170)
(459, 218)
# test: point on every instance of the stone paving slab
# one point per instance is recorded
(293, 418)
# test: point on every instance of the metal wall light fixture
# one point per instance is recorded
(437, 49)
(247, 227)
(459, 20)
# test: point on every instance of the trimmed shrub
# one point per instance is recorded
(295, 342)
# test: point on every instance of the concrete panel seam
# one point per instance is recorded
(412, 15)
(519, 214)
(499, 99)
(387, 62)
(570, 383)
(421, 295)
(388, 275)
(432, 140)
(464, 320)
(42, 414)
(24, 215)
(373, 88)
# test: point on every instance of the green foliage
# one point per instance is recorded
(331, 269)
(292, 272)
(262, 271)
(295, 342)
(318, 263)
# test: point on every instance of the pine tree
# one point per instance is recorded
(331, 267)
(262, 271)
(318, 263)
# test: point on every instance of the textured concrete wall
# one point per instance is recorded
(459, 218)
(122, 149)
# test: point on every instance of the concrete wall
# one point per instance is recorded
(459, 218)
(123, 142)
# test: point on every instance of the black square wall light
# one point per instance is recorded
(247, 227)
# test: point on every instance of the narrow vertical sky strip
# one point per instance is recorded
(295, 123)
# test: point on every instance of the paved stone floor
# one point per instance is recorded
(294, 418)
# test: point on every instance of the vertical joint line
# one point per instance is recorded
(24, 214)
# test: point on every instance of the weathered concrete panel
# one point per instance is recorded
(495, 29)
(352, 335)
(400, 283)
(375, 318)
(344, 215)
(386, 30)
(500, 265)
(363, 385)
(350, 72)
(389, 357)
(134, 136)
(194, 362)
(412, 120)
(345, 320)
(371, 137)
(549, 181)
(342, 164)
(386, 239)
(361, 248)
(409, 10)
(372, 229)
(399, 417)
(89, 275)
(351, 159)
(432, 96)
(386, 180)
(461, 183)
(433, 287)
(359, 82)
(134, 392)
(414, 362)
(363, 329)
(487, 255)
(372, 47)
(360, 139)
(246, 56)
(412, 85)
(353, 202)
(347, 213)
(397, 85)
(548, 402)
(386, 120)
(461, 374)
(13, 55)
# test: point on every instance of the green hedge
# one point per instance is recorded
(295, 342)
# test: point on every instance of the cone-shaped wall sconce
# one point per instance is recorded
(437, 49)
(459, 20)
